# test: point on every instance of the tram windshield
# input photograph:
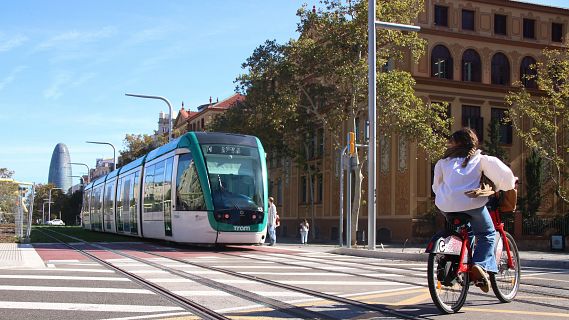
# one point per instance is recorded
(235, 176)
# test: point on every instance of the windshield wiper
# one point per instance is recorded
(222, 189)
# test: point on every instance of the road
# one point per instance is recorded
(69, 285)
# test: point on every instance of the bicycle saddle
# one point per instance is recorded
(457, 218)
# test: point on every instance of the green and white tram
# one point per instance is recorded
(203, 187)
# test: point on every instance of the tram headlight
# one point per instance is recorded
(226, 216)
(254, 216)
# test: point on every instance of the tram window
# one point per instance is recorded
(158, 190)
(168, 197)
(148, 191)
(189, 194)
(134, 198)
(119, 206)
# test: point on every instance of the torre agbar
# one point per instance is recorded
(59, 168)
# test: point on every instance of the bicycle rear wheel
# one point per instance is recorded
(448, 288)
(506, 282)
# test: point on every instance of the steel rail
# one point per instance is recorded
(249, 296)
(195, 308)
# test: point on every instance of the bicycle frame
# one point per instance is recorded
(447, 243)
(499, 226)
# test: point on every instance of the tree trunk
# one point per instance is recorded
(310, 187)
(358, 179)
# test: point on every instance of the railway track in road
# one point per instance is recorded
(195, 308)
(331, 261)
(280, 306)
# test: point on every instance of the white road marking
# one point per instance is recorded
(75, 289)
(161, 316)
(73, 270)
(326, 274)
(38, 277)
(85, 307)
(260, 267)
(171, 280)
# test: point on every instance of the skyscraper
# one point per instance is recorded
(59, 168)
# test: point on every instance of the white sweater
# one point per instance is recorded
(451, 180)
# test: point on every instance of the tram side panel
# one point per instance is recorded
(85, 209)
(127, 203)
(109, 206)
(156, 198)
(190, 218)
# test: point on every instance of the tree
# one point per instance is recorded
(533, 169)
(8, 195)
(493, 146)
(548, 114)
(138, 145)
(320, 81)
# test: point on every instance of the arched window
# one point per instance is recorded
(471, 66)
(525, 69)
(500, 69)
(441, 63)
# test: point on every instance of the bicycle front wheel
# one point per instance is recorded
(447, 287)
(506, 282)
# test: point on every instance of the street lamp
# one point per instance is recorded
(49, 205)
(158, 98)
(372, 96)
(88, 170)
(43, 210)
(114, 153)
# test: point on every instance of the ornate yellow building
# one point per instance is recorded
(476, 51)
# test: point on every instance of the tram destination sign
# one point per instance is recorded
(228, 149)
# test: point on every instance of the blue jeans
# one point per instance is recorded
(272, 235)
(482, 227)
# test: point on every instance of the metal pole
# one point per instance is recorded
(88, 170)
(114, 151)
(372, 94)
(371, 185)
(159, 98)
(349, 204)
(30, 212)
(49, 205)
(341, 225)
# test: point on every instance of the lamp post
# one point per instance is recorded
(49, 205)
(43, 211)
(88, 170)
(158, 98)
(372, 99)
(114, 151)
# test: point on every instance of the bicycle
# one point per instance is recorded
(450, 263)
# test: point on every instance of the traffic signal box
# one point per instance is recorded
(351, 143)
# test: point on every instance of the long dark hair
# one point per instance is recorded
(465, 145)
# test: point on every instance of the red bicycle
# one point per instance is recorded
(450, 263)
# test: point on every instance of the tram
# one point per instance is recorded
(201, 188)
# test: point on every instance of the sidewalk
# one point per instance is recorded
(415, 252)
(19, 255)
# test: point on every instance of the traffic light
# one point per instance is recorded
(351, 143)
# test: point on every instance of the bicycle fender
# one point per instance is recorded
(446, 242)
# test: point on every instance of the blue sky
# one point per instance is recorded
(65, 67)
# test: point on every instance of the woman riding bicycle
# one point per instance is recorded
(458, 172)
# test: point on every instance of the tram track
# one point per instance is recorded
(280, 306)
(404, 281)
(187, 304)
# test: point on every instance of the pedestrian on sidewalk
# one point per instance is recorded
(304, 228)
(456, 175)
(272, 222)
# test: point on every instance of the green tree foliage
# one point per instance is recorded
(320, 81)
(8, 194)
(137, 145)
(548, 114)
(493, 146)
(533, 170)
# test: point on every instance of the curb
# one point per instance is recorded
(526, 262)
